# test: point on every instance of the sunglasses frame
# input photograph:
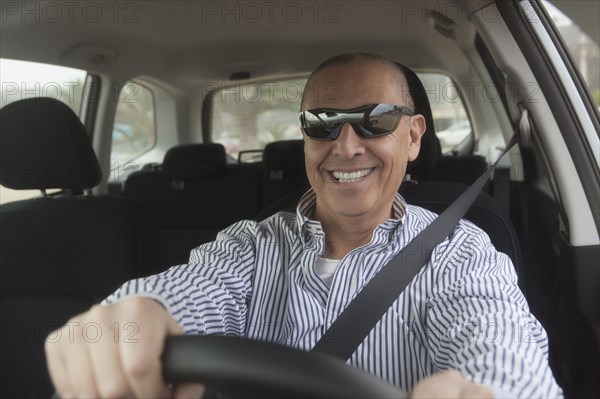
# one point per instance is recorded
(359, 127)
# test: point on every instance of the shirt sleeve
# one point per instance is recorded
(479, 323)
(210, 294)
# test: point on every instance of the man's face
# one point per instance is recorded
(382, 160)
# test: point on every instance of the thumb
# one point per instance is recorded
(188, 391)
(183, 391)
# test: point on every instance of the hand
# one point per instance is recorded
(114, 351)
(449, 384)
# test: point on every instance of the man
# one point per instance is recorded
(285, 279)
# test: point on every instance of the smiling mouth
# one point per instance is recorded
(350, 177)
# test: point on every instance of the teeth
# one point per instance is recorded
(344, 177)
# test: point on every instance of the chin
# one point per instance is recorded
(355, 210)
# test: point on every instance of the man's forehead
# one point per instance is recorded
(352, 85)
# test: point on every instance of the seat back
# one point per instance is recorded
(62, 253)
(485, 212)
(283, 170)
(463, 169)
(191, 197)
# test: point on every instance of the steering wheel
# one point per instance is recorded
(242, 367)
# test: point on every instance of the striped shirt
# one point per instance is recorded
(463, 310)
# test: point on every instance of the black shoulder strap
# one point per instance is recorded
(356, 321)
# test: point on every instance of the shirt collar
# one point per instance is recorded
(310, 227)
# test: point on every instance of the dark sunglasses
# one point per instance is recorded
(371, 120)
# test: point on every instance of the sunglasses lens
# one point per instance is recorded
(315, 126)
(383, 119)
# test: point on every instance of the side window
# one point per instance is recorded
(585, 52)
(452, 125)
(247, 117)
(134, 131)
(23, 79)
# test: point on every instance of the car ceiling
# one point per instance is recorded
(184, 42)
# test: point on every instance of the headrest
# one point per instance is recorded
(430, 151)
(284, 158)
(194, 161)
(44, 145)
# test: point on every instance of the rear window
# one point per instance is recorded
(246, 117)
(249, 116)
(23, 79)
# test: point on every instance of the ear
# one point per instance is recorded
(417, 129)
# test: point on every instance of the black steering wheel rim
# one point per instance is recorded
(242, 367)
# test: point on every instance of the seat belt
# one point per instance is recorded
(353, 325)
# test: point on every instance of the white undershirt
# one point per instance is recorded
(325, 268)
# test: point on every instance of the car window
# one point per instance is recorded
(452, 124)
(247, 117)
(134, 130)
(22, 79)
(585, 52)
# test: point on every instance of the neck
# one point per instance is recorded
(345, 233)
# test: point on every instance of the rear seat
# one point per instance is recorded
(283, 170)
(192, 197)
(463, 169)
(196, 193)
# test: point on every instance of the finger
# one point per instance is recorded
(109, 373)
(143, 373)
(104, 355)
(141, 357)
(79, 369)
(476, 391)
(189, 391)
(56, 364)
(447, 384)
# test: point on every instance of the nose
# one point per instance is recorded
(348, 144)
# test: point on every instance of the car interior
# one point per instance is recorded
(184, 120)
